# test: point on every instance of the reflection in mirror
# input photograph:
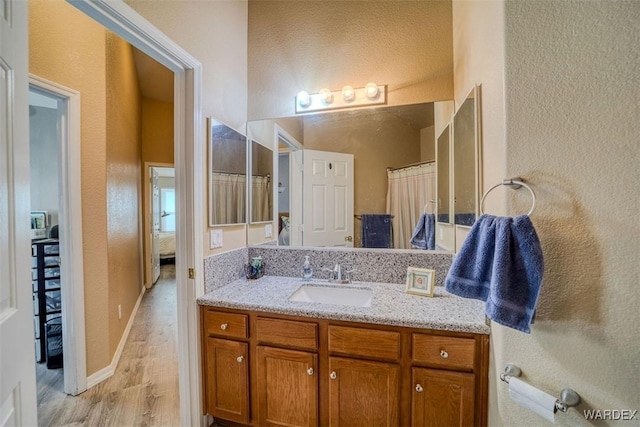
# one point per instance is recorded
(261, 177)
(465, 160)
(378, 138)
(227, 174)
(442, 161)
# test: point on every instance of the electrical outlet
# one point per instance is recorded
(268, 230)
(119, 311)
(215, 239)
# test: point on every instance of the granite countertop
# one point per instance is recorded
(390, 304)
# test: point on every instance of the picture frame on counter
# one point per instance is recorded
(420, 281)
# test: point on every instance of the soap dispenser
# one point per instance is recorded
(307, 271)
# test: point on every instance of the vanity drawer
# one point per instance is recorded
(364, 342)
(287, 332)
(449, 352)
(225, 324)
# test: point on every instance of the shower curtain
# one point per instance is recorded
(408, 191)
(228, 198)
(260, 200)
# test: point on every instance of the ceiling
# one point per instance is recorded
(155, 80)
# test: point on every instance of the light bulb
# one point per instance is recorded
(372, 90)
(348, 94)
(304, 100)
(326, 96)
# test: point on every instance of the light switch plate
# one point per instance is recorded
(215, 239)
(268, 230)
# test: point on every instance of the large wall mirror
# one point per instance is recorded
(466, 159)
(227, 158)
(384, 141)
(261, 159)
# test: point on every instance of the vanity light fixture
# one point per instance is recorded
(347, 97)
(303, 99)
(372, 90)
(326, 96)
(348, 94)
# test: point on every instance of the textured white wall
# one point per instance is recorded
(572, 129)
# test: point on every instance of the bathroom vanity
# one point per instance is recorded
(396, 360)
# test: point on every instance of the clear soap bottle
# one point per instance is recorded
(307, 271)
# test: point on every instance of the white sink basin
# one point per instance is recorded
(337, 295)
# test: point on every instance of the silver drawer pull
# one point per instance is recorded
(310, 371)
(333, 375)
(444, 354)
(240, 359)
(224, 326)
(419, 388)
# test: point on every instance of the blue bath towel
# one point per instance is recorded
(376, 230)
(500, 262)
(424, 235)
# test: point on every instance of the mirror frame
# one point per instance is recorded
(210, 202)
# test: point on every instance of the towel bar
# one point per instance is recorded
(514, 183)
(568, 397)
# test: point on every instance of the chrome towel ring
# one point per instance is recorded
(514, 183)
(433, 202)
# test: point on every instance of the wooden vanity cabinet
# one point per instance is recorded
(266, 369)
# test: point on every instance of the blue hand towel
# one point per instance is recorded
(424, 235)
(376, 231)
(500, 262)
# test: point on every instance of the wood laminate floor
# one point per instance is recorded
(144, 389)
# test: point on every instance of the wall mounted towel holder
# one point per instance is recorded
(514, 183)
(433, 202)
(568, 397)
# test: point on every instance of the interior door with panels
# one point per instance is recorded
(328, 198)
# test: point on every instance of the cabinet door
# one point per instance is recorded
(442, 398)
(227, 381)
(363, 393)
(287, 387)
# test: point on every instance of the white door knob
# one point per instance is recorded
(240, 359)
(224, 326)
(333, 375)
(419, 388)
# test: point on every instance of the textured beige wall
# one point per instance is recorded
(570, 127)
(573, 129)
(215, 33)
(295, 45)
(67, 47)
(157, 131)
(124, 189)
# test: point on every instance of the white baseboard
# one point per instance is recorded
(107, 371)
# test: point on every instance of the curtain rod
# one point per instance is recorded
(426, 162)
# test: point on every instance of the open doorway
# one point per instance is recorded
(45, 115)
(188, 132)
(161, 220)
(58, 289)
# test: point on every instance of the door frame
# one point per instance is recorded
(121, 19)
(148, 207)
(70, 235)
(295, 182)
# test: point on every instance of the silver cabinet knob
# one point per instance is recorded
(444, 354)
(240, 359)
(419, 388)
(333, 375)
(224, 326)
(310, 371)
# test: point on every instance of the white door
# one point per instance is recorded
(295, 197)
(327, 212)
(155, 229)
(17, 358)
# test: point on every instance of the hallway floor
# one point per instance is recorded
(144, 389)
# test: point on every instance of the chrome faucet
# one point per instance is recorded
(336, 275)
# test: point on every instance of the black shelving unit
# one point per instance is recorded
(45, 275)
